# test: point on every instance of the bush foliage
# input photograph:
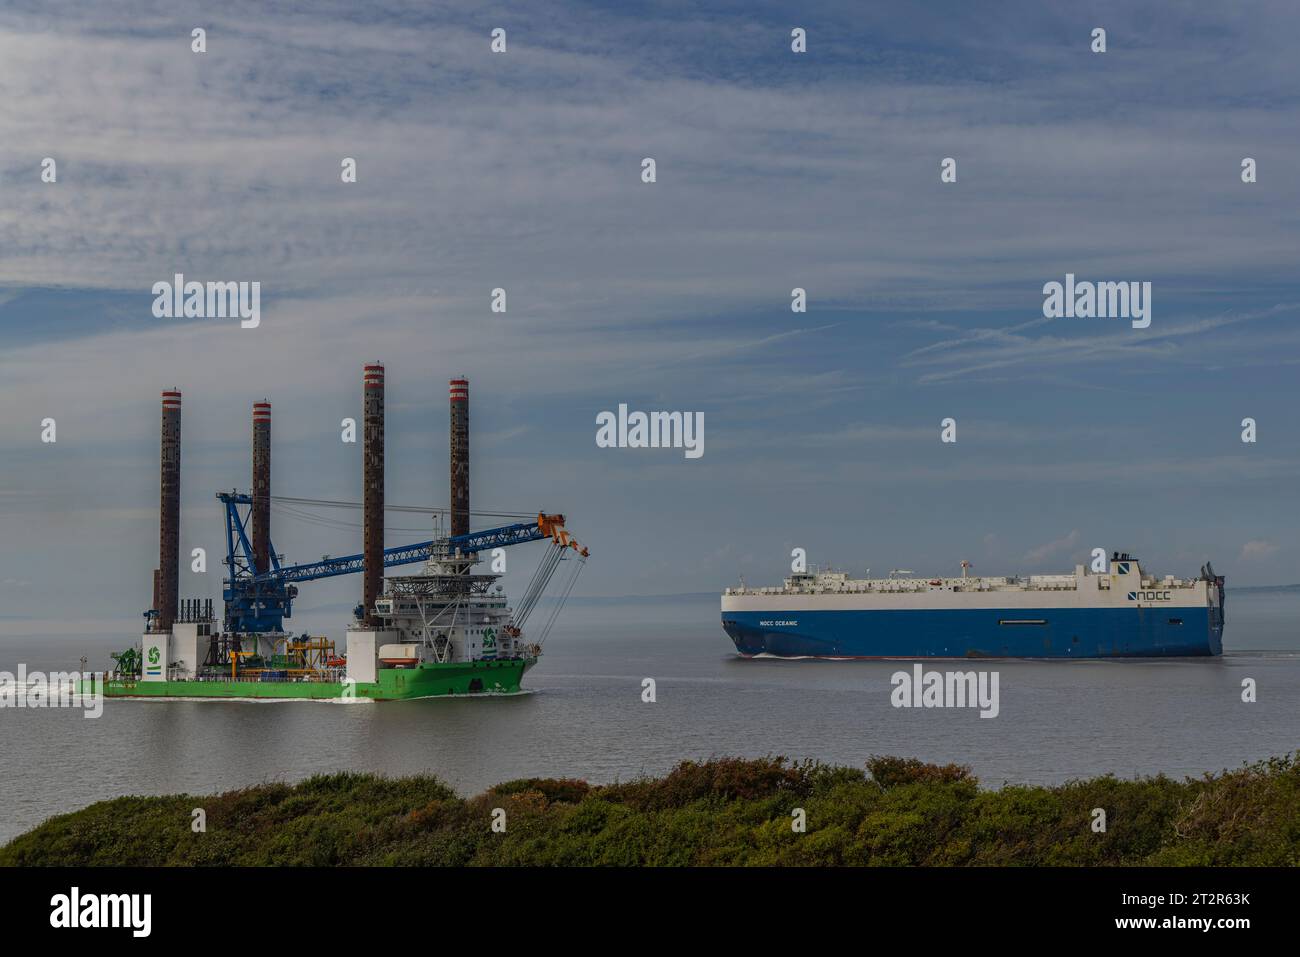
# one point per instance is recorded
(726, 811)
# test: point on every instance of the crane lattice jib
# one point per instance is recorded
(483, 541)
(259, 599)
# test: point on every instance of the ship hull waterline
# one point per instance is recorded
(430, 680)
(1051, 633)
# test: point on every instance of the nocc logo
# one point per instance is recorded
(1149, 596)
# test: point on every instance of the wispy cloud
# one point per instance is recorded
(522, 171)
(983, 350)
(1053, 548)
(1256, 549)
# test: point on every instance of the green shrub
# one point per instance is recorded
(725, 811)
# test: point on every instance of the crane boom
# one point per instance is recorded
(516, 534)
(259, 602)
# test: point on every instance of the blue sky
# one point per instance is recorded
(774, 171)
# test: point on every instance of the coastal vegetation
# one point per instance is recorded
(726, 811)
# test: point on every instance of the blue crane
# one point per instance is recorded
(258, 600)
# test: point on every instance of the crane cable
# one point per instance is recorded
(560, 602)
(308, 518)
(537, 584)
(281, 506)
(421, 509)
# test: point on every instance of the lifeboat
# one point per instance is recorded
(399, 656)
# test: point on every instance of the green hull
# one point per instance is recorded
(394, 684)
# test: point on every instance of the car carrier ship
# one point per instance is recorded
(1123, 612)
(445, 630)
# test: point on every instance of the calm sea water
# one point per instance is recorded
(585, 717)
